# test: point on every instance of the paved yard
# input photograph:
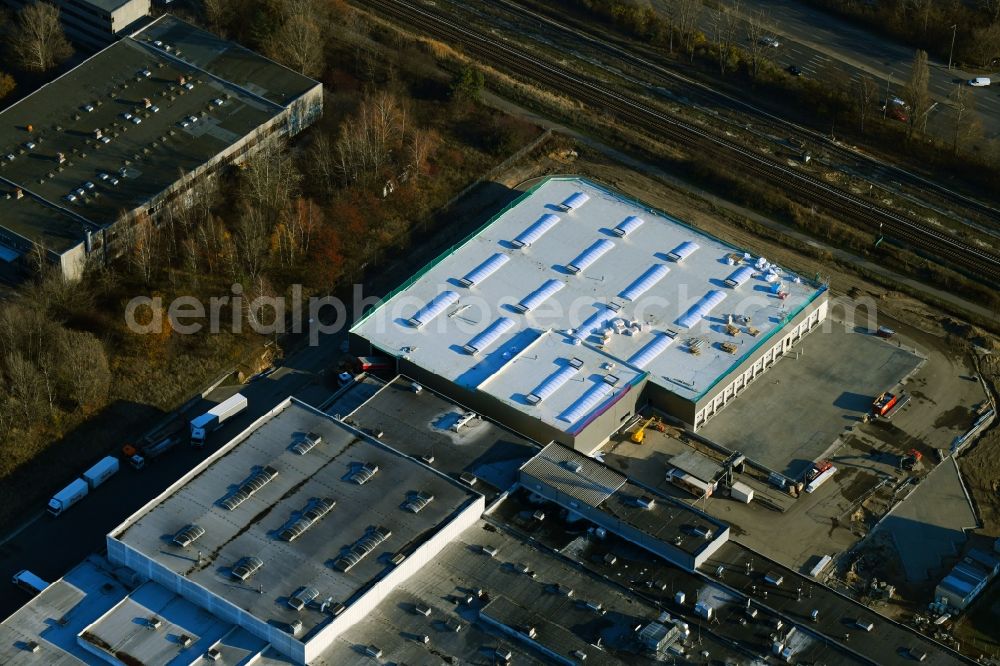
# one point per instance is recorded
(795, 411)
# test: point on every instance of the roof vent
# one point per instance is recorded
(154, 623)
(188, 535)
(260, 479)
(247, 567)
(574, 466)
(307, 443)
(314, 511)
(364, 546)
(415, 502)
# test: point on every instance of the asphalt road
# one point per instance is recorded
(826, 47)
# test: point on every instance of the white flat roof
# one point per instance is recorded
(686, 299)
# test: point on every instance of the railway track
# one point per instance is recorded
(978, 262)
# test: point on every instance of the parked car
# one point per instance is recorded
(770, 41)
(794, 70)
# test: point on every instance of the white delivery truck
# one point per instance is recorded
(68, 496)
(979, 82)
(215, 417)
(101, 472)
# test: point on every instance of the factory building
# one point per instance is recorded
(575, 305)
(93, 24)
(129, 131)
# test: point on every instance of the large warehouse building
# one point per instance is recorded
(297, 505)
(575, 305)
(129, 130)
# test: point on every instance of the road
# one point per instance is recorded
(825, 47)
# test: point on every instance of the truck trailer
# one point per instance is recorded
(101, 472)
(68, 496)
(214, 418)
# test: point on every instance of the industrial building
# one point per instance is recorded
(574, 305)
(128, 131)
(93, 24)
(672, 530)
(253, 528)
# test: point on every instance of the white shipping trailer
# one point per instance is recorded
(68, 496)
(101, 472)
(215, 417)
(741, 492)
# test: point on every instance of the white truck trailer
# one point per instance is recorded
(101, 472)
(215, 417)
(68, 496)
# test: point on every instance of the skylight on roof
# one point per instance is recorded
(492, 333)
(587, 402)
(586, 258)
(644, 282)
(484, 270)
(540, 295)
(628, 225)
(739, 276)
(535, 231)
(701, 308)
(552, 384)
(438, 305)
(683, 251)
(650, 351)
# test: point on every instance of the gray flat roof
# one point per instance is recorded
(420, 424)
(226, 60)
(697, 465)
(575, 475)
(636, 272)
(253, 527)
(152, 153)
(54, 618)
(125, 629)
(563, 622)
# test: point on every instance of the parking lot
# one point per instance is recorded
(829, 379)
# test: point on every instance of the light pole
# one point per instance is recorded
(951, 51)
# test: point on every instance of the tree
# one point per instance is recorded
(36, 40)
(84, 374)
(300, 40)
(916, 92)
(966, 124)
(724, 21)
(422, 146)
(867, 90)
(24, 384)
(468, 84)
(7, 84)
(756, 25)
(983, 46)
(270, 178)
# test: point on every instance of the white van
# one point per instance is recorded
(979, 81)
(29, 582)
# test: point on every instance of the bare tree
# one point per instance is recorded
(252, 242)
(141, 243)
(323, 164)
(24, 384)
(724, 22)
(422, 145)
(966, 125)
(684, 16)
(867, 91)
(369, 137)
(984, 43)
(84, 373)
(758, 41)
(270, 178)
(300, 40)
(218, 14)
(992, 8)
(36, 40)
(916, 92)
